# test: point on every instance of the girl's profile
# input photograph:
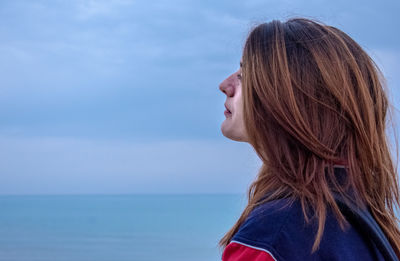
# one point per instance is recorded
(313, 105)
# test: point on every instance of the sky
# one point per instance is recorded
(121, 96)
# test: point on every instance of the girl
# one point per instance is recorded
(312, 104)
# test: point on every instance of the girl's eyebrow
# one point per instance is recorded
(241, 64)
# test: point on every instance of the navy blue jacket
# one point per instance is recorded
(285, 235)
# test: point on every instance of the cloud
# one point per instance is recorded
(389, 62)
(88, 9)
(65, 165)
(142, 71)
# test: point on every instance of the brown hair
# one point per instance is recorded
(312, 98)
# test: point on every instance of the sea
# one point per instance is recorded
(116, 227)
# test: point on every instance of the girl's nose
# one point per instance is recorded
(227, 87)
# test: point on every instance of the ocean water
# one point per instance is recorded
(115, 228)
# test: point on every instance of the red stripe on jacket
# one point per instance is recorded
(239, 252)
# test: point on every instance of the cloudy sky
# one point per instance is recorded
(121, 96)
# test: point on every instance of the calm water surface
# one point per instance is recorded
(115, 228)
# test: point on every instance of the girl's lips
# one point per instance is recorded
(227, 108)
(227, 113)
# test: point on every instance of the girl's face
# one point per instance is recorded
(233, 126)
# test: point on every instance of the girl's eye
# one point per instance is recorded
(239, 76)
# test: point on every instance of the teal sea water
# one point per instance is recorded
(115, 228)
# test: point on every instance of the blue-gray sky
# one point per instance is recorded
(120, 96)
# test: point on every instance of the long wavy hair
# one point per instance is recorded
(313, 98)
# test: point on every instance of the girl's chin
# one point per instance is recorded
(231, 132)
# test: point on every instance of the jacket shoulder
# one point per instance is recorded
(280, 228)
(263, 226)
